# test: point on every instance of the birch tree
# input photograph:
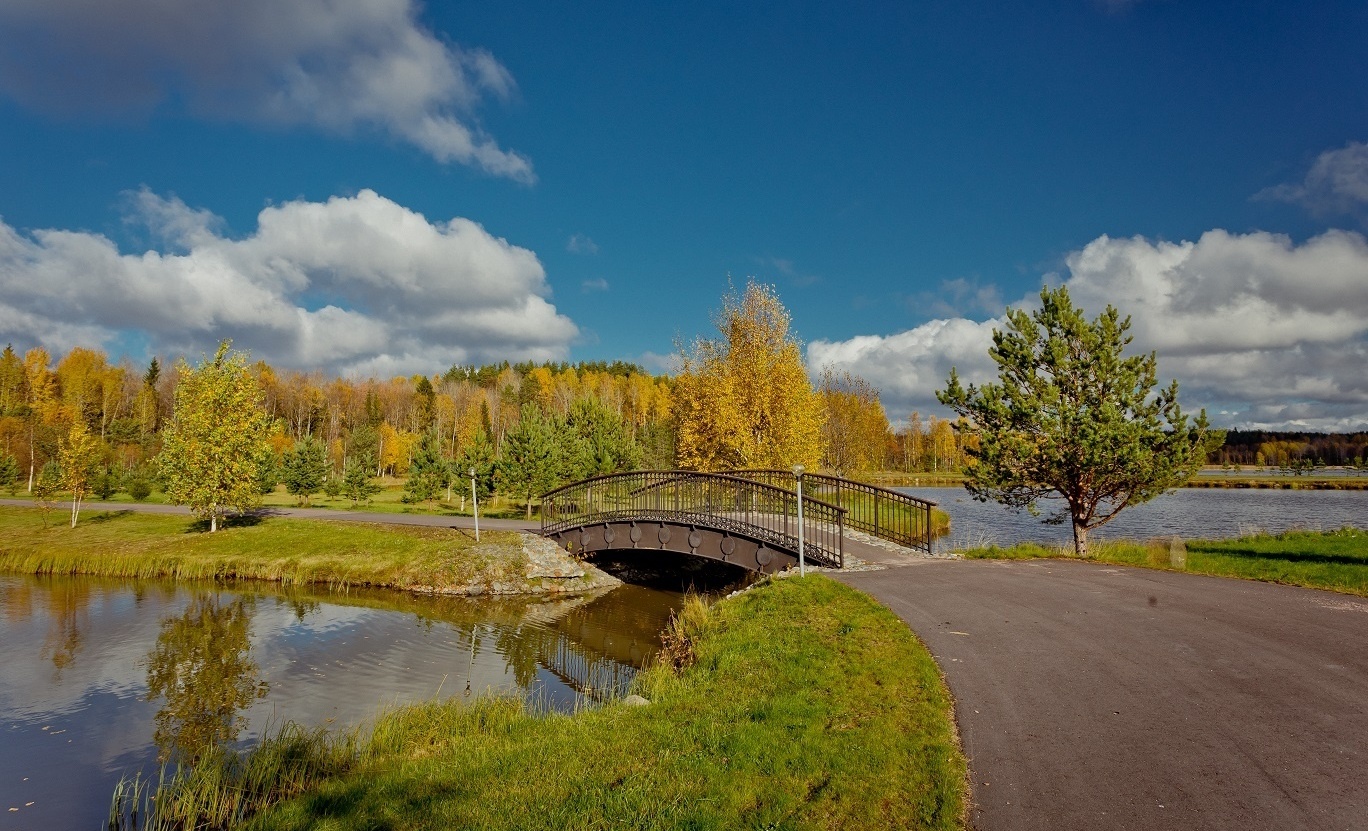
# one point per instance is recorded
(744, 400)
(217, 434)
(79, 455)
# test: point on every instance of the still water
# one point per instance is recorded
(1187, 512)
(99, 679)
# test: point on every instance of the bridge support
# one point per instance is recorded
(660, 535)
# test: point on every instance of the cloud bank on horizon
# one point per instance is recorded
(1260, 331)
(336, 67)
(356, 285)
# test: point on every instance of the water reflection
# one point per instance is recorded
(202, 669)
(101, 678)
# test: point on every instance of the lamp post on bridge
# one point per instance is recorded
(802, 565)
(475, 503)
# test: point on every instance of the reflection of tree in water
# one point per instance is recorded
(203, 668)
(67, 603)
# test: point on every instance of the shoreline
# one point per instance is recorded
(426, 559)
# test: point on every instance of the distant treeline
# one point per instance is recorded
(1287, 449)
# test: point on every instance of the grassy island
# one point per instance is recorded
(277, 549)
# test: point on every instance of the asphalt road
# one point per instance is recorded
(1095, 697)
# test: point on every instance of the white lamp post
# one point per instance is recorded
(802, 565)
(475, 503)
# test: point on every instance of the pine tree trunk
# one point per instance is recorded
(1080, 533)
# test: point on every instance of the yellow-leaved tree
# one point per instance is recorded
(216, 439)
(855, 436)
(744, 400)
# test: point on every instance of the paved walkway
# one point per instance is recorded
(1093, 697)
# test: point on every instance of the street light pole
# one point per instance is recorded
(475, 503)
(802, 565)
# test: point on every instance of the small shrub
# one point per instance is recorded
(139, 488)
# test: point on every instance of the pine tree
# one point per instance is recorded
(9, 473)
(428, 471)
(357, 484)
(478, 455)
(530, 463)
(1072, 418)
(304, 468)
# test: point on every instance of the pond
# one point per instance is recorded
(1186, 512)
(100, 678)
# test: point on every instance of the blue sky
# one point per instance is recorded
(381, 187)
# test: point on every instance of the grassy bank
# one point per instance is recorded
(807, 705)
(1334, 560)
(129, 544)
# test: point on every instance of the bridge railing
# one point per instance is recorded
(880, 512)
(711, 500)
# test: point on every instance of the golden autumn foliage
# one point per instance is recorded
(855, 434)
(744, 400)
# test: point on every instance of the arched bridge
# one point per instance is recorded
(748, 518)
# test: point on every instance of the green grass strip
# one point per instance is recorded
(808, 706)
(339, 554)
(1334, 560)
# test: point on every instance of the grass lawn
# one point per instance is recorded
(1335, 560)
(808, 705)
(129, 544)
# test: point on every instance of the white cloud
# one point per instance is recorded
(596, 284)
(357, 285)
(336, 66)
(581, 244)
(1272, 332)
(1337, 182)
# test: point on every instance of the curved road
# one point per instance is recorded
(1096, 697)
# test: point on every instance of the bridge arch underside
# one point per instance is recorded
(662, 535)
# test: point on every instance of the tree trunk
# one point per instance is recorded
(75, 509)
(213, 518)
(1080, 532)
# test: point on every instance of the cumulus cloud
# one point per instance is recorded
(335, 66)
(581, 244)
(1267, 332)
(1337, 183)
(357, 285)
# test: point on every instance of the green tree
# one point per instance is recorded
(531, 461)
(365, 446)
(304, 468)
(597, 440)
(211, 450)
(46, 486)
(479, 456)
(1072, 418)
(9, 473)
(80, 454)
(356, 481)
(428, 470)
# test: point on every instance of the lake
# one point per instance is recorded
(99, 677)
(1186, 512)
